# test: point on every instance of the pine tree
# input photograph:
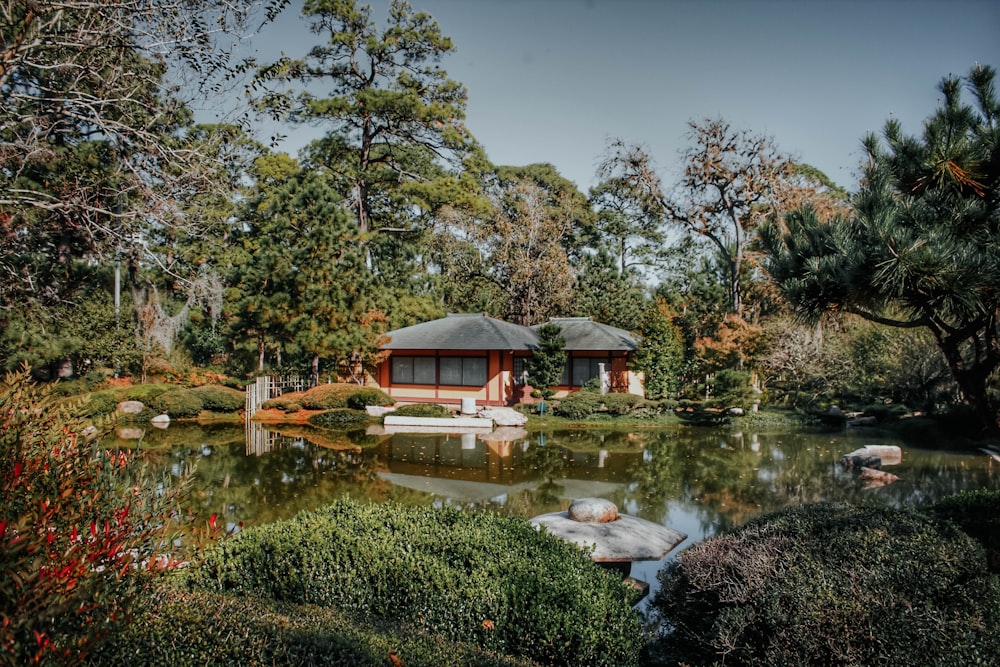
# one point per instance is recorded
(546, 364)
(923, 246)
(661, 351)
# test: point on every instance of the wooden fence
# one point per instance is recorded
(264, 389)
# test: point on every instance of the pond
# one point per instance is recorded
(697, 480)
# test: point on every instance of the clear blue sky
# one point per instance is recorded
(554, 80)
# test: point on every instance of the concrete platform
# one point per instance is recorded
(439, 422)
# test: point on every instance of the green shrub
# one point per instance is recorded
(579, 405)
(144, 392)
(732, 389)
(422, 410)
(217, 398)
(978, 514)
(99, 403)
(205, 628)
(621, 404)
(886, 411)
(339, 418)
(366, 396)
(282, 402)
(327, 396)
(831, 584)
(480, 578)
(178, 403)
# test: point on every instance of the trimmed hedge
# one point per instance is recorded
(422, 410)
(830, 584)
(340, 418)
(178, 403)
(366, 396)
(217, 398)
(478, 578)
(977, 513)
(328, 396)
(579, 405)
(621, 404)
(204, 628)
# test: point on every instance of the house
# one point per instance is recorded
(474, 356)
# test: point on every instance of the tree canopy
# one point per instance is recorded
(922, 248)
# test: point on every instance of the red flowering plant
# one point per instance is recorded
(82, 530)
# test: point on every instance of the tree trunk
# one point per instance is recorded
(973, 378)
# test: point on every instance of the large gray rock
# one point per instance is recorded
(131, 407)
(504, 416)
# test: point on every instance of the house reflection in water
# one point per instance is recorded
(467, 467)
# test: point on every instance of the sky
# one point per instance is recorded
(556, 80)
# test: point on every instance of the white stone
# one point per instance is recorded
(131, 407)
(159, 420)
(504, 416)
(592, 510)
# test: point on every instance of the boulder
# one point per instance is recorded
(504, 416)
(131, 407)
(160, 421)
(593, 510)
(860, 458)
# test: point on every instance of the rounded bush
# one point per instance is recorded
(490, 581)
(217, 398)
(422, 410)
(192, 629)
(621, 404)
(99, 403)
(830, 584)
(977, 513)
(178, 403)
(366, 396)
(579, 405)
(327, 396)
(339, 418)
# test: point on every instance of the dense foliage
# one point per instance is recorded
(479, 578)
(81, 531)
(193, 629)
(546, 364)
(922, 247)
(831, 584)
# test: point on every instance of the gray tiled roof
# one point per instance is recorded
(582, 333)
(463, 332)
(475, 331)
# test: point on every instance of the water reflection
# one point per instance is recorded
(696, 480)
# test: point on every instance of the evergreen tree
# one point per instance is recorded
(923, 246)
(547, 363)
(607, 295)
(660, 356)
(397, 137)
(307, 293)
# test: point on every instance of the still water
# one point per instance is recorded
(696, 480)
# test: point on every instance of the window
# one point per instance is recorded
(413, 370)
(460, 371)
(520, 370)
(463, 371)
(587, 368)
